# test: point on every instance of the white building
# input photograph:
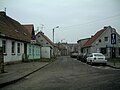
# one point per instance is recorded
(106, 41)
(45, 42)
(15, 40)
(80, 44)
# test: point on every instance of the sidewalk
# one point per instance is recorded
(113, 65)
(15, 72)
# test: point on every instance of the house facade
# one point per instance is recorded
(80, 44)
(15, 40)
(106, 41)
(33, 48)
(45, 42)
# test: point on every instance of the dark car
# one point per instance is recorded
(74, 54)
(79, 57)
(84, 57)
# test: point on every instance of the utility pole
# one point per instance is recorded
(5, 9)
(53, 32)
(53, 40)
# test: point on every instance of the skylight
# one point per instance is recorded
(25, 34)
(16, 30)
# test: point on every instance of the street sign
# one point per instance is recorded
(33, 41)
(113, 38)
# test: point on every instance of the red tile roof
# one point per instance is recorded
(10, 28)
(93, 38)
(29, 28)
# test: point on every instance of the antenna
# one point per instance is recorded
(42, 26)
(5, 9)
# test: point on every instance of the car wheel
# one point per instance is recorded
(87, 62)
(91, 62)
(104, 64)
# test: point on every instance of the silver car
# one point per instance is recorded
(96, 58)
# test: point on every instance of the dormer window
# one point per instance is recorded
(16, 30)
(25, 34)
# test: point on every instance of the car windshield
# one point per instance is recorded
(98, 55)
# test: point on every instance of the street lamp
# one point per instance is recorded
(53, 32)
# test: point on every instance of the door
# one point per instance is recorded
(113, 53)
(25, 52)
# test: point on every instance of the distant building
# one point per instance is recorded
(106, 41)
(80, 44)
(72, 47)
(48, 47)
(63, 48)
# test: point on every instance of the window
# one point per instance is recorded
(18, 48)
(30, 49)
(87, 50)
(4, 46)
(106, 39)
(103, 50)
(13, 47)
(99, 40)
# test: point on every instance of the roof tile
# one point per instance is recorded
(13, 29)
(93, 38)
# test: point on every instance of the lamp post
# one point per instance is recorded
(54, 31)
(53, 40)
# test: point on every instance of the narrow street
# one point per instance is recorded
(70, 74)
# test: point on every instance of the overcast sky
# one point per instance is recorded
(77, 19)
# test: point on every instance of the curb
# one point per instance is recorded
(113, 67)
(22, 77)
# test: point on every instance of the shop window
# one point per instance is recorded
(29, 49)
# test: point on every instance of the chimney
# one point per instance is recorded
(91, 36)
(3, 13)
(105, 27)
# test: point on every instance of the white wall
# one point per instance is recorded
(8, 57)
(97, 45)
(44, 42)
(45, 52)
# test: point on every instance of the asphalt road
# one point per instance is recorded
(69, 74)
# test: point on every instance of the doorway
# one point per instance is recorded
(113, 52)
(25, 52)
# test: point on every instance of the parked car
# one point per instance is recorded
(96, 58)
(74, 54)
(84, 57)
(79, 57)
